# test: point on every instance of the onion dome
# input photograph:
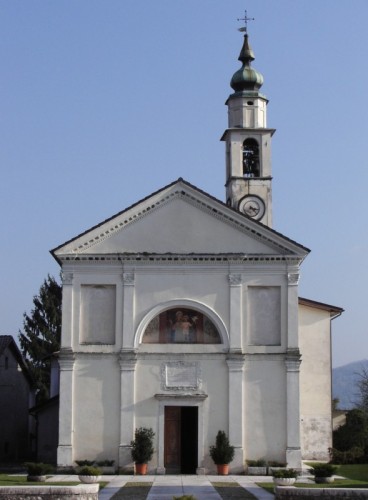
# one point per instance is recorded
(246, 78)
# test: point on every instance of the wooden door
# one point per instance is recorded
(172, 445)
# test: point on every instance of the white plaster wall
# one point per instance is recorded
(214, 384)
(265, 408)
(315, 383)
(97, 407)
(161, 288)
(96, 416)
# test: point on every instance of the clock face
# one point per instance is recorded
(253, 206)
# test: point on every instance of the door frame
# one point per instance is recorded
(180, 400)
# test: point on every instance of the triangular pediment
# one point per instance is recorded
(180, 219)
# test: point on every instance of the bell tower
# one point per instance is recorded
(248, 142)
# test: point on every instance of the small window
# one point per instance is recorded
(250, 158)
(181, 326)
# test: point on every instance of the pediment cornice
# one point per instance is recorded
(84, 243)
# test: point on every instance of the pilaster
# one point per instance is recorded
(127, 361)
(65, 448)
(235, 331)
(293, 447)
(293, 309)
(235, 363)
(67, 310)
(128, 279)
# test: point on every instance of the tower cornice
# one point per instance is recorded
(257, 130)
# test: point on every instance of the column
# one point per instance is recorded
(128, 310)
(293, 450)
(235, 363)
(235, 330)
(65, 447)
(127, 360)
(66, 366)
(293, 309)
(292, 361)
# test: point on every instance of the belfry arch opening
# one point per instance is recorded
(251, 164)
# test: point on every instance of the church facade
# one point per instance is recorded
(182, 313)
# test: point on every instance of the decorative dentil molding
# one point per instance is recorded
(144, 208)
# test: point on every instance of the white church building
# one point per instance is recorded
(182, 313)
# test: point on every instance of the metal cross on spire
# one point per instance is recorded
(245, 19)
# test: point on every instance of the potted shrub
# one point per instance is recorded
(323, 473)
(222, 453)
(37, 471)
(89, 474)
(142, 449)
(257, 467)
(284, 477)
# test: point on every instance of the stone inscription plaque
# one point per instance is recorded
(180, 375)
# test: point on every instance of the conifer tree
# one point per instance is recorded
(41, 334)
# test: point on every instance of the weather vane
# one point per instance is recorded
(245, 19)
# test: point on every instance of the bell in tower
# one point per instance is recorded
(248, 142)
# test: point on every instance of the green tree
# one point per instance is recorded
(363, 390)
(354, 433)
(41, 334)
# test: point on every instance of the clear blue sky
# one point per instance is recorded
(104, 101)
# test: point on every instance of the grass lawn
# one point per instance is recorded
(356, 477)
(6, 480)
(356, 471)
(133, 491)
(230, 490)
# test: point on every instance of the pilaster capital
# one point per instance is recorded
(66, 359)
(67, 278)
(128, 278)
(293, 279)
(293, 360)
(235, 279)
(235, 362)
(127, 360)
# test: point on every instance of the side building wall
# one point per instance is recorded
(315, 382)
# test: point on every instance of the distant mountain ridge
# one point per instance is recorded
(345, 383)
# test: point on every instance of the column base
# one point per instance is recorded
(237, 465)
(126, 463)
(294, 458)
(160, 471)
(65, 455)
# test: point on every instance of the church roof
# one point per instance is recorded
(7, 341)
(180, 188)
(333, 310)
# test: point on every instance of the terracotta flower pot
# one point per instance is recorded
(222, 469)
(141, 469)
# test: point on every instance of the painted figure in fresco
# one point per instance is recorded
(183, 329)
